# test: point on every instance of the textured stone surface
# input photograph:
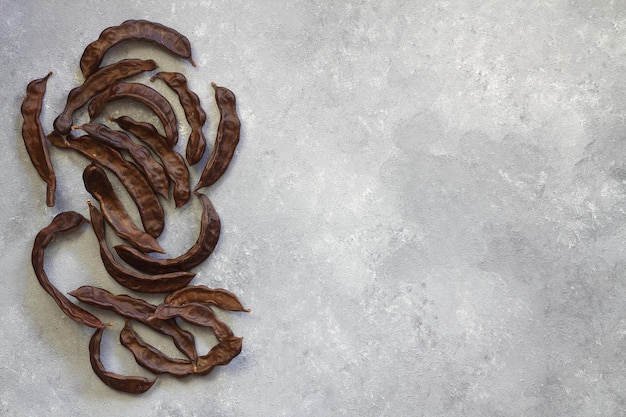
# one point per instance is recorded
(425, 214)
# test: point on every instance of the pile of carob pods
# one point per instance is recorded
(135, 162)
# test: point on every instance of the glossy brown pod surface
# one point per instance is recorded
(130, 384)
(219, 297)
(134, 30)
(201, 250)
(97, 82)
(63, 223)
(98, 185)
(226, 139)
(194, 113)
(34, 137)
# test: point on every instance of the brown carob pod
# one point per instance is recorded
(153, 171)
(220, 354)
(201, 250)
(143, 94)
(130, 384)
(219, 297)
(173, 163)
(196, 314)
(137, 281)
(98, 185)
(151, 358)
(226, 139)
(34, 137)
(63, 223)
(148, 205)
(195, 115)
(97, 82)
(134, 30)
(138, 310)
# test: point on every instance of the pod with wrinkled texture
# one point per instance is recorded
(130, 279)
(63, 223)
(194, 113)
(34, 137)
(151, 358)
(173, 163)
(134, 30)
(130, 384)
(148, 205)
(143, 94)
(201, 250)
(202, 294)
(195, 313)
(96, 83)
(220, 354)
(139, 310)
(226, 139)
(153, 171)
(98, 185)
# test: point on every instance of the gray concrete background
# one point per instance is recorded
(425, 214)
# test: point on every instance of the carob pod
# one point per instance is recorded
(143, 94)
(148, 205)
(152, 358)
(63, 223)
(137, 281)
(138, 310)
(97, 82)
(226, 139)
(34, 137)
(220, 354)
(219, 297)
(153, 171)
(195, 313)
(194, 113)
(173, 163)
(201, 250)
(131, 384)
(134, 30)
(98, 185)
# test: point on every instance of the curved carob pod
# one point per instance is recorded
(130, 384)
(138, 310)
(226, 139)
(98, 185)
(63, 223)
(134, 30)
(97, 82)
(34, 137)
(218, 297)
(148, 205)
(173, 163)
(201, 250)
(143, 94)
(153, 171)
(194, 313)
(194, 113)
(137, 281)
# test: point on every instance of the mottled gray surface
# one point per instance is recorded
(426, 211)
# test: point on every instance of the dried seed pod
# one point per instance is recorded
(97, 82)
(151, 358)
(145, 95)
(131, 384)
(173, 163)
(196, 314)
(34, 138)
(148, 205)
(202, 294)
(98, 185)
(209, 235)
(63, 223)
(221, 354)
(134, 30)
(226, 139)
(153, 171)
(194, 113)
(130, 279)
(139, 310)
